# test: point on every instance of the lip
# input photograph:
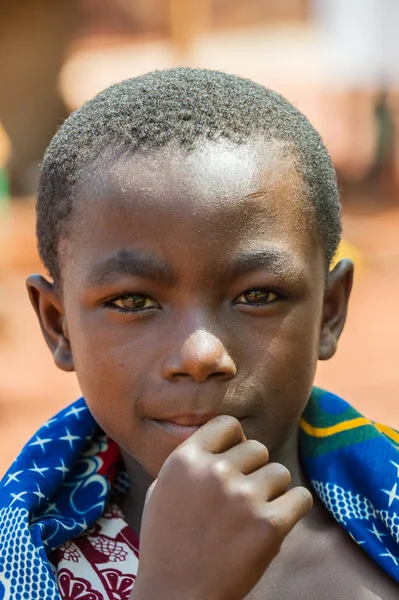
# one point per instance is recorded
(176, 430)
(189, 420)
(183, 427)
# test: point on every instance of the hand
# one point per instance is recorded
(215, 518)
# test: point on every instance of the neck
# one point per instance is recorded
(133, 503)
(288, 456)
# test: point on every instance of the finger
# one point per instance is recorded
(272, 480)
(287, 510)
(218, 435)
(247, 456)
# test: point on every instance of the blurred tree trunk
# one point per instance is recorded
(33, 38)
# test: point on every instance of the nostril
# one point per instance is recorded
(216, 375)
(220, 375)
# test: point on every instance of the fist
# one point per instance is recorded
(215, 517)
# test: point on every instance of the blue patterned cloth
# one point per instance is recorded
(51, 494)
(54, 489)
(353, 465)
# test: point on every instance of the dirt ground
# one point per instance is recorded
(365, 370)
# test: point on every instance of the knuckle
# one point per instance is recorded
(273, 526)
(219, 476)
(280, 471)
(258, 448)
(250, 490)
(181, 460)
(305, 498)
(222, 467)
(230, 423)
(245, 492)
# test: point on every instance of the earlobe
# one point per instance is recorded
(335, 307)
(47, 303)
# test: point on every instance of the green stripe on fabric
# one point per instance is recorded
(317, 417)
(311, 446)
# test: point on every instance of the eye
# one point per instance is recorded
(258, 297)
(131, 302)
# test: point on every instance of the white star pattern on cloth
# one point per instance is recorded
(388, 554)
(37, 469)
(377, 533)
(50, 422)
(39, 494)
(51, 508)
(355, 540)
(83, 525)
(62, 468)
(75, 411)
(17, 497)
(40, 442)
(69, 438)
(392, 494)
(13, 477)
(395, 465)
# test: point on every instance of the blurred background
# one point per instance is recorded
(337, 61)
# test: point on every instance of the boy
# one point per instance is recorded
(188, 220)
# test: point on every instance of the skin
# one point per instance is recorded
(194, 287)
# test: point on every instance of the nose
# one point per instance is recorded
(201, 357)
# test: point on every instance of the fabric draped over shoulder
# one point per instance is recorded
(353, 465)
(61, 484)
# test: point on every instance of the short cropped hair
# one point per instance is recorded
(184, 107)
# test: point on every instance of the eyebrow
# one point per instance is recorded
(131, 263)
(272, 260)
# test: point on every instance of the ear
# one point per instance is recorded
(47, 302)
(335, 306)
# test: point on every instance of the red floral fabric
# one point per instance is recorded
(100, 564)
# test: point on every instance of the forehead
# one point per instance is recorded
(220, 194)
(213, 173)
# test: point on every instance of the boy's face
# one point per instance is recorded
(193, 286)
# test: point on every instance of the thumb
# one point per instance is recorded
(149, 492)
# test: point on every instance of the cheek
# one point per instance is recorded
(302, 350)
(289, 368)
(107, 356)
(112, 366)
(105, 373)
(112, 390)
(288, 364)
(290, 349)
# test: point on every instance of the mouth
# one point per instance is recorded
(180, 432)
(182, 427)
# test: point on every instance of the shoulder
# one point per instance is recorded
(320, 560)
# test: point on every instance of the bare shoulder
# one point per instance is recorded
(320, 560)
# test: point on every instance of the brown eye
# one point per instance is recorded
(257, 297)
(133, 302)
